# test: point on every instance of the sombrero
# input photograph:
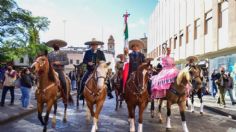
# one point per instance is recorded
(58, 42)
(94, 41)
(137, 42)
(148, 59)
(194, 58)
(119, 55)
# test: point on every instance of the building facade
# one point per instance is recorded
(204, 28)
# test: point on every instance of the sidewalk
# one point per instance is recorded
(9, 113)
(210, 104)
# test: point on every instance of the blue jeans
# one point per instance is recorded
(4, 92)
(25, 98)
(231, 95)
(73, 84)
(214, 89)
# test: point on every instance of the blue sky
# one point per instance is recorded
(86, 19)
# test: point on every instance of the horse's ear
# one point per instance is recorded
(108, 63)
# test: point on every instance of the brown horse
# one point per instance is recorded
(116, 84)
(136, 94)
(95, 92)
(177, 94)
(48, 90)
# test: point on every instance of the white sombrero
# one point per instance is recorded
(94, 41)
(60, 43)
(137, 42)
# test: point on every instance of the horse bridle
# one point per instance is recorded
(139, 88)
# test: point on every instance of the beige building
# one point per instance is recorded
(205, 28)
(144, 50)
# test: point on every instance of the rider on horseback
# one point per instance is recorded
(136, 58)
(162, 81)
(91, 59)
(58, 59)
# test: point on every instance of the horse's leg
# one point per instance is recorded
(40, 111)
(159, 111)
(65, 112)
(49, 107)
(192, 102)
(168, 114)
(54, 115)
(117, 100)
(120, 103)
(152, 108)
(99, 106)
(182, 113)
(131, 117)
(200, 97)
(77, 99)
(83, 101)
(140, 120)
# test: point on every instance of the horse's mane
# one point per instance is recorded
(51, 74)
(184, 73)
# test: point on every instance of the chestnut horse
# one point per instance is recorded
(48, 90)
(136, 94)
(177, 94)
(117, 85)
(95, 92)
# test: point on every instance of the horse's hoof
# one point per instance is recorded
(192, 111)
(44, 129)
(201, 113)
(168, 129)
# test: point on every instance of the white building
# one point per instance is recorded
(205, 28)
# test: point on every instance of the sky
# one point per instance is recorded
(78, 21)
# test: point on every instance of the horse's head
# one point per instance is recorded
(40, 65)
(101, 73)
(184, 77)
(141, 77)
(195, 71)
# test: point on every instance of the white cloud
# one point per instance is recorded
(138, 23)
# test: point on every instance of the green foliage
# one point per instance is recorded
(19, 31)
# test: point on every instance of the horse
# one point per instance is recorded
(196, 86)
(118, 88)
(136, 94)
(80, 72)
(95, 92)
(176, 94)
(48, 90)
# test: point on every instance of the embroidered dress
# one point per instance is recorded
(163, 80)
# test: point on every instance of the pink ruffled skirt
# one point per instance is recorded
(162, 81)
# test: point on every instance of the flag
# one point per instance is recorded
(126, 49)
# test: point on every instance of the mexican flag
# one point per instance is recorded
(126, 49)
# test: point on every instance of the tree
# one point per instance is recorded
(19, 31)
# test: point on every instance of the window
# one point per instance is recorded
(187, 33)
(21, 60)
(175, 41)
(77, 61)
(181, 39)
(208, 21)
(71, 61)
(197, 28)
(170, 42)
(223, 6)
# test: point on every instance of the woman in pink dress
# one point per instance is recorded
(163, 80)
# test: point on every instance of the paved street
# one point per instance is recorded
(111, 120)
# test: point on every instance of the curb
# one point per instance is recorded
(22, 114)
(221, 112)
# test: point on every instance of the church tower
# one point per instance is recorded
(111, 44)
